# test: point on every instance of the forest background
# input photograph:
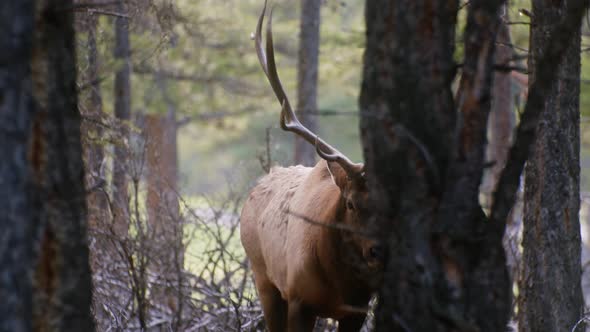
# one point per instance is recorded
(195, 61)
(178, 122)
(204, 52)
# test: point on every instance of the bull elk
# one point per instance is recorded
(302, 230)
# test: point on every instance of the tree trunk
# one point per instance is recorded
(62, 282)
(108, 274)
(501, 124)
(163, 207)
(550, 296)
(446, 268)
(446, 271)
(307, 78)
(167, 260)
(94, 150)
(17, 224)
(123, 114)
(502, 119)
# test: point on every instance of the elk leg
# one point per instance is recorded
(351, 323)
(301, 319)
(273, 306)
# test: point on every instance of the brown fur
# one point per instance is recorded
(302, 229)
(303, 270)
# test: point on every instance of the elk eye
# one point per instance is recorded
(349, 205)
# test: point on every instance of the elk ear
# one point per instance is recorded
(338, 174)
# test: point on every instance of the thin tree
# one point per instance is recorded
(17, 223)
(94, 149)
(550, 294)
(104, 257)
(425, 156)
(123, 114)
(502, 117)
(307, 77)
(501, 124)
(167, 259)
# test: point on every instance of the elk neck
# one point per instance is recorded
(341, 261)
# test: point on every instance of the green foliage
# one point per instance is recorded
(197, 57)
(218, 147)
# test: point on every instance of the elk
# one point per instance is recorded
(304, 230)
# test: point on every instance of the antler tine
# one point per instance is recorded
(267, 62)
(258, 41)
(351, 168)
(289, 121)
(273, 75)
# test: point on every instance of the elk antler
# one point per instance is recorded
(289, 121)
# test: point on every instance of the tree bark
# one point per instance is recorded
(502, 118)
(123, 114)
(62, 296)
(167, 260)
(94, 149)
(108, 276)
(550, 296)
(307, 78)
(446, 268)
(546, 73)
(17, 223)
(501, 124)
(446, 271)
